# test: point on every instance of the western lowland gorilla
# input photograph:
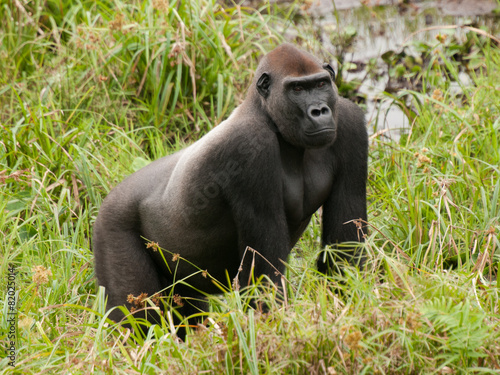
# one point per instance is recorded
(255, 180)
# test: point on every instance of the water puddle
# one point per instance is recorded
(379, 26)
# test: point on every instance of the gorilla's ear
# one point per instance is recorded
(263, 84)
(330, 70)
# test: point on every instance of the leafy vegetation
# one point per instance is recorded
(91, 91)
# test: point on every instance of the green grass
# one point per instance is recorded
(91, 91)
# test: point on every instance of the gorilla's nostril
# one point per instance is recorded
(325, 111)
(316, 113)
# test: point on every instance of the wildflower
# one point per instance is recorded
(161, 5)
(422, 159)
(413, 321)
(117, 23)
(138, 301)
(94, 38)
(156, 300)
(25, 322)
(437, 94)
(153, 245)
(41, 275)
(352, 340)
(441, 38)
(178, 300)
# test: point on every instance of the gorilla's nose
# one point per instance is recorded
(318, 112)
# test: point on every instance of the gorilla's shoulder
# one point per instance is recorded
(351, 119)
(235, 133)
(350, 112)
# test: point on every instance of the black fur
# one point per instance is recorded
(255, 180)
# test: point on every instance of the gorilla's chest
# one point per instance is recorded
(306, 186)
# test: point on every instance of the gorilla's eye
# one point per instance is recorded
(297, 88)
(321, 84)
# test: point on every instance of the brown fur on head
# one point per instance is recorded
(287, 60)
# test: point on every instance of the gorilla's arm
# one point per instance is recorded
(256, 201)
(347, 200)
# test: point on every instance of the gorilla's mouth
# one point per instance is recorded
(320, 131)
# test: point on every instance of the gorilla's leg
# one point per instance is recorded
(124, 268)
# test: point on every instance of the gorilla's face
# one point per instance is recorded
(301, 103)
(310, 121)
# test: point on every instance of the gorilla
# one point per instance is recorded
(255, 180)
